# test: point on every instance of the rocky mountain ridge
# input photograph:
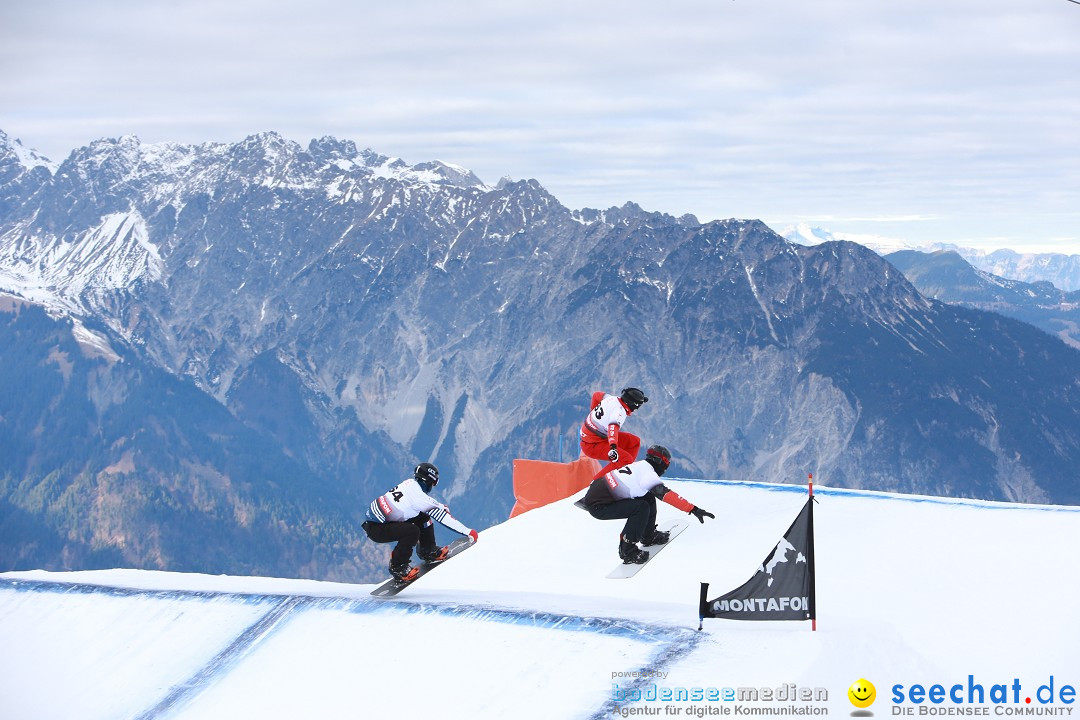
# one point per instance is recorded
(946, 276)
(361, 314)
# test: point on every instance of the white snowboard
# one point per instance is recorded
(626, 570)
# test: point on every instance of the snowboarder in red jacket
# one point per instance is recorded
(602, 437)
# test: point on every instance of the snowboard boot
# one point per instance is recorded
(630, 553)
(402, 572)
(656, 537)
(433, 554)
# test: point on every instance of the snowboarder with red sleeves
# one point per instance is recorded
(404, 515)
(602, 437)
(631, 492)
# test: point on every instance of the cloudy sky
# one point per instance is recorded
(924, 120)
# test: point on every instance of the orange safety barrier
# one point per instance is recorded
(539, 482)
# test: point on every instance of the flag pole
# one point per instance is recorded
(702, 602)
(810, 559)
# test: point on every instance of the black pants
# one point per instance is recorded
(640, 514)
(406, 534)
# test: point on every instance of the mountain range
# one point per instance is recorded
(944, 275)
(232, 348)
(1059, 269)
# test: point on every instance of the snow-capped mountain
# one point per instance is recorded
(78, 273)
(361, 314)
(946, 276)
(806, 234)
(19, 156)
(1059, 269)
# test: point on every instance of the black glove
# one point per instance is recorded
(701, 514)
(613, 454)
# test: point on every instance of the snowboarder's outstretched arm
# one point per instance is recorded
(441, 514)
(407, 500)
(678, 502)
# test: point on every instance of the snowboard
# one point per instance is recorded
(627, 570)
(392, 586)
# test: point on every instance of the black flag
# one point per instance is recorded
(782, 588)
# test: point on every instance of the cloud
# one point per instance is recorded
(880, 219)
(960, 111)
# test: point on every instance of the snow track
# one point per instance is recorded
(911, 590)
(225, 659)
(657, 646)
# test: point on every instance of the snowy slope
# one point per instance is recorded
(68, 273)
(910, 590)
(26, 157)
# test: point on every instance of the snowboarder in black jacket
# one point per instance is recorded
(631, 492)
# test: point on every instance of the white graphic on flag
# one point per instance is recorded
(780, 555)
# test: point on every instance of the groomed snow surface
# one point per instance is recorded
(911, 591)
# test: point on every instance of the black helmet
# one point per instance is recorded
(633, 398)
(427, 475)
(659, 457)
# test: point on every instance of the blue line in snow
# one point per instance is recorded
(609, 626)
(676, 650)
(880, 495)
(221, 663)
(619, 627)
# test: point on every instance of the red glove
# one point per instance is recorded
(474, 536)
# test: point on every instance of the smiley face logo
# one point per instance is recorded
(862, 693)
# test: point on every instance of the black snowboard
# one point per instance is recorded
(392, 587)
